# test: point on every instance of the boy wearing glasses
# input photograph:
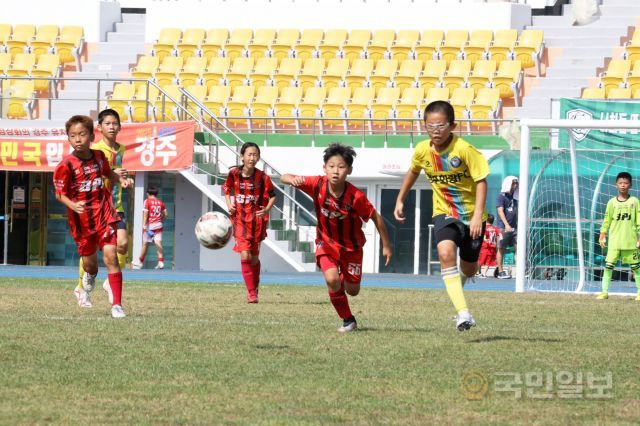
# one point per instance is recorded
(457, 172)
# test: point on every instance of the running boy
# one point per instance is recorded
(457, 172)
(79, 182)
(254, 196)
(154, 214)
(109, 126)
(488, 252)
(622, 224)
(340, 208)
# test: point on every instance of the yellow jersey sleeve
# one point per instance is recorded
(420, 155)
(478, 165)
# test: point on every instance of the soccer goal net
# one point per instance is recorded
(564, 191)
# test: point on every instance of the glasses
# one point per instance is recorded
(437, 127)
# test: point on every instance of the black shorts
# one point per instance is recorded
(449, 228)
(123, 221)
(508, 239)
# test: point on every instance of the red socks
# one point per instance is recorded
(340, 303)
(115, 281)
(256, 276)
(161, 259)
(248, 275)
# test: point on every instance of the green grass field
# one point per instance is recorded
(197, 354)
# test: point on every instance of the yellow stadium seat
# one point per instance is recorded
(380, 44)
(146, 67)
(166, 42)
(238, 41)
(5, 62)
(529, 49)
(508, 80)
(22, 65)
(453, 45)
(457, 74)
(631, 48)
(332, 42)
(478, 46)
(433, 73)
(384, 72)
(168, 110)
(262, 41)
(436, 94)
(360, 104)
(237, 105)
(287, 72)
(48, 65)
(143, 104)
(21, 99)
(461, 99)
(215, 71)
(5, 32)
(167, 72)
(310, 106)
(482, 74)
(356, 45)
(217, 99)
(70, 44)
(336, 72)
(633, 80)
(334, 107)
(385, 103)
(263, 105)
(359, 72)
(485, 106)
(120, 98)
(636, 94)
(504, 41)
(43, 41)
(310, 40)
(410, 103)
(594, 93)
(311, 73)
(285, 108)
(263, 72)
(408, 74)
(430, 42)
(405, 44)
(239, 72)
(619, 93)
(616, 74)
(214, 42)
(191, 73)
(284, 43)
(190, 42)
(20, 38)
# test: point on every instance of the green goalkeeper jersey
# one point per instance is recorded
(622, 223)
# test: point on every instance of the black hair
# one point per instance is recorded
(107, 112)
(248, 145)
(443, 107)
(345, 151)
(86, 122)
(152, 190)
(624, 175)
(490, 219)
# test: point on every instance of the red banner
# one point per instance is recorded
(149, 146)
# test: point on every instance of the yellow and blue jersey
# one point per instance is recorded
(114, 157)
(453, 174)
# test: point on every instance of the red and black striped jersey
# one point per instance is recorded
(339, 219)
(250, 194)
(83, 180)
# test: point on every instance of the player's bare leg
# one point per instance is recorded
(158, 245)
(114, 275)
(137, 264)
(447, 253)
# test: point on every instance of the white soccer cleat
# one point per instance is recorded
(83, 298)
(348, 327)
(160, 265)
(136, 264)
(464, 321)
(107, 287)
(117, 312)
(88, 282)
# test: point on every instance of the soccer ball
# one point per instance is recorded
(213, 230)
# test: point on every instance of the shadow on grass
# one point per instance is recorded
(521, 339)
(396, 329)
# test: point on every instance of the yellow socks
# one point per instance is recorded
(453, 283)
(122, 260)
(80, 274)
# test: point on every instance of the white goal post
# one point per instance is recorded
(573, 184)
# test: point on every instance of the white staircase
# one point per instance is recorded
(584, 49)
(112, 60)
